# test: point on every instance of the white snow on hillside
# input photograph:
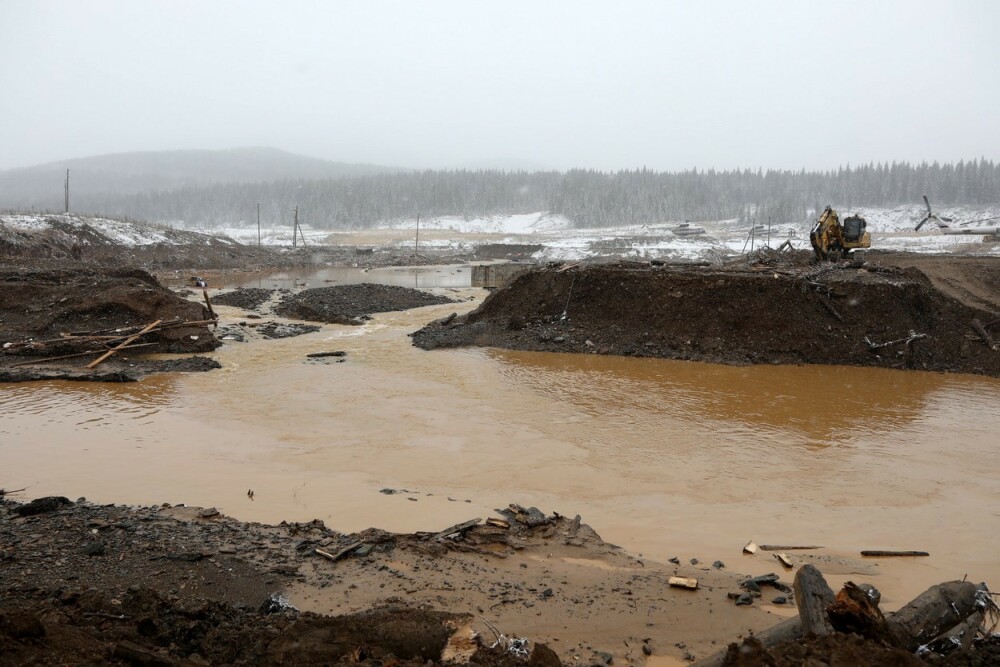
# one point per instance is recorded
(90, 231)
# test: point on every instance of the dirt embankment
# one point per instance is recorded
(48, 315)
(779, 310)
(352, 304)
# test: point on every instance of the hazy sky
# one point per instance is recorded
(605, 85)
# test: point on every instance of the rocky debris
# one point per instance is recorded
(247, 298)
(273, 330)
(847, 314)
(946, 620)
(353, 304)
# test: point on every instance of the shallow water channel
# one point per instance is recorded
(664, 458)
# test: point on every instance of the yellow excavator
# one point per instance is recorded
(832, 239)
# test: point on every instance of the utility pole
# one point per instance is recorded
(416, 245)
(258, 224)
(67, 191)
(295, 228)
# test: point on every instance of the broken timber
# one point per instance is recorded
(984, 334)
(812, 596)
(689, 583)
(457, 528)
(340, 555)
(893, 554)
(124, 344)
(784, 560)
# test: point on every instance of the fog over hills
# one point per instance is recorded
(93, 179)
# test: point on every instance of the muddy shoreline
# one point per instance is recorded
(778, 309)
(176, 585)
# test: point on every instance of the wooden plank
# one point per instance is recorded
(874, 553)
(750, 548)
(340, 554)
(783, 547)
(457, 528)
(784, 560)
(77, 354)
(123, 344)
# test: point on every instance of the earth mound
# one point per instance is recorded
(47, 304)
(247, 298)
(352, 304)
(776, 311)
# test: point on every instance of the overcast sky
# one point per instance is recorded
(604, 85)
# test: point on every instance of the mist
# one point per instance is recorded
(554, 85)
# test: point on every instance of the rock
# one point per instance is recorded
(781, 599)
(646, 650)
(874, 594)
(604, 657)
(744, 599)
(694, 561)
(718, 565)
(94, 549)
(42, 505)
(675, 560)
(547, 593)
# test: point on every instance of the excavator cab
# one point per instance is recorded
(832, 239)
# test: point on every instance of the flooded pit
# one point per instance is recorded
(664, 458)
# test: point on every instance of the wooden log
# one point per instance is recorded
(984, 334)
(457, 528)
(76, 354)
(829, 307)
(932, 612)
(340, 555)
(812, 596)
(211, 312)
(782, 547)
(875, 553)
(123, 344)
(338, 353)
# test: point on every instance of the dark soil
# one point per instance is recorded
(40, 309)
(352, 304)
(780, 310)
(118, 369)
(511, 251)
(247, 298)
(88, 584)
(44, 304)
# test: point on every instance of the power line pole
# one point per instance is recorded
(67, 191)
(258, 224)
(416, 245)
(295, 228)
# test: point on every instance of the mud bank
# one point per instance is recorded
(176, 585)
(352, 304)
(54, 322)
(780, 310)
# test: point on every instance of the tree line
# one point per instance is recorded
(588, 198)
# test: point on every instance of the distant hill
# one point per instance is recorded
(96, 179)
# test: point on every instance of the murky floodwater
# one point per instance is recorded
(666, 458)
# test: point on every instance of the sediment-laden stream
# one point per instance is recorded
(665, 458)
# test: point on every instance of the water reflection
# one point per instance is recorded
(824, 405)
(24, 408)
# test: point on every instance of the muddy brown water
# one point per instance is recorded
(664, 458)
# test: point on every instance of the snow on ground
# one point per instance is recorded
(89, 230)
(890, 228)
